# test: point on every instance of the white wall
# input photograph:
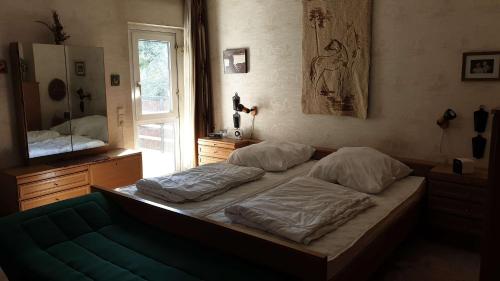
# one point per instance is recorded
(101, 23)
(416, 69)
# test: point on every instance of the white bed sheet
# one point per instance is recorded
(349, 239)
(62, 144)
(220, 202)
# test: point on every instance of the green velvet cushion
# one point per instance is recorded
(87, 238)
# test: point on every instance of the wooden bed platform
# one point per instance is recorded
(274, 253)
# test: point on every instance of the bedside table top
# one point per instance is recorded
(227, 140)
(233, 142)
(445, 173)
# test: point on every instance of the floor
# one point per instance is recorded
(423, 260)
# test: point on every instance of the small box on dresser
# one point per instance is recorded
(456, 205)
(218, 150)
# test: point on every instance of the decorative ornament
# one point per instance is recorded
(57, 29)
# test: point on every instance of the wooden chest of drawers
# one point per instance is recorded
(218, 150)
(29, 187)
(456, 203)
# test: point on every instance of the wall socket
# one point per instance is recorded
(120, 116)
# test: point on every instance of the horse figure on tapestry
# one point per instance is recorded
(330, 72)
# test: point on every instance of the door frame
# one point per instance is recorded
(178, 50)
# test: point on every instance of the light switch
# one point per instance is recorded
(121, 116)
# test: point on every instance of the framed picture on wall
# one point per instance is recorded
(80, 68)
(235, 61)
(481, 66)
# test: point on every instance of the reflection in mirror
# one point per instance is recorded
(46, 103)
(86, 84)
(59, 83)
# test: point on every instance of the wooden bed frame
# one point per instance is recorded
(270, 252)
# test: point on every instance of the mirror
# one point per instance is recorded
(64, 98)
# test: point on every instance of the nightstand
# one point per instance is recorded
(218, 150)
(456, 203)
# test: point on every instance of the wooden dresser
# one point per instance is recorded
(28, 187)
(456, 203)
(218, 150)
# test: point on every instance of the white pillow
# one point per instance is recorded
(272, 156)
(361, 168)
(63, 128)
(92, 126)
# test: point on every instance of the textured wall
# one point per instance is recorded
(101, 23)
(415, 74)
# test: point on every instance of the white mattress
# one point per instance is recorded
(343, 244)
(220, 202)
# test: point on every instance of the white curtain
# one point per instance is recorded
(188, 124)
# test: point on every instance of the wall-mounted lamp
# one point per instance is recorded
(444, 121)
(238, 107)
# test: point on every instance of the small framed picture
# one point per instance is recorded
(80, 68)
(115, 80)
(481, 66)
(3, 66)
(235, 61)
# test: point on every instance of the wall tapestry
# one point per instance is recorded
(336, 57)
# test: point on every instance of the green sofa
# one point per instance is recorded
(89, 238)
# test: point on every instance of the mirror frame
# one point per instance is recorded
(22, 120)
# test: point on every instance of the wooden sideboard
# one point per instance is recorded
(28, 187)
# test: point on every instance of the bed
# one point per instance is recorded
(332, 257)
(85, 133)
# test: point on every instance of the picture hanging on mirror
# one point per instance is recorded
(235, 61)
(80, 68)
(481, 66)
(3, 66)
(115, 80)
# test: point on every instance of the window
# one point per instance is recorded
(155, 90)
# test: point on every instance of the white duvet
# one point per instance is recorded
(301, 210)
(199, 183)
(62, 144)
